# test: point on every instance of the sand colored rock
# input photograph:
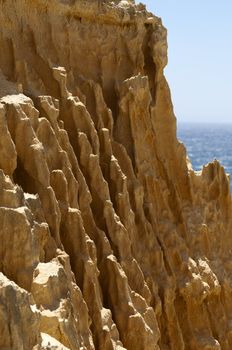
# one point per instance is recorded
(108, 239)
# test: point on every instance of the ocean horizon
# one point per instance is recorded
(207, 141)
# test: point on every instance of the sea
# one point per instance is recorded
(206, 142)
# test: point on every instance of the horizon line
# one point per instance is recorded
(203, 122)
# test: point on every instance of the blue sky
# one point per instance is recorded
(199, 71)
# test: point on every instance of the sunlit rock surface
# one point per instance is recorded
(108, 239)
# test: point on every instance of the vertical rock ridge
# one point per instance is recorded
(109, 240)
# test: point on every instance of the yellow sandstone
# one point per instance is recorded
(108, 239)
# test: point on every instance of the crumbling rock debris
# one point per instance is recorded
(108, 238)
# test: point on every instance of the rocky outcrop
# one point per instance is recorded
(109, 240)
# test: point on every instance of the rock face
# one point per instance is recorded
(108, 239)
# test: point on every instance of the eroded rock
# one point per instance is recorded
(108, 239)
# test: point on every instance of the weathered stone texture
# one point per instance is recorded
(108, 239)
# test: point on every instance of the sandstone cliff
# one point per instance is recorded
(108, 239)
